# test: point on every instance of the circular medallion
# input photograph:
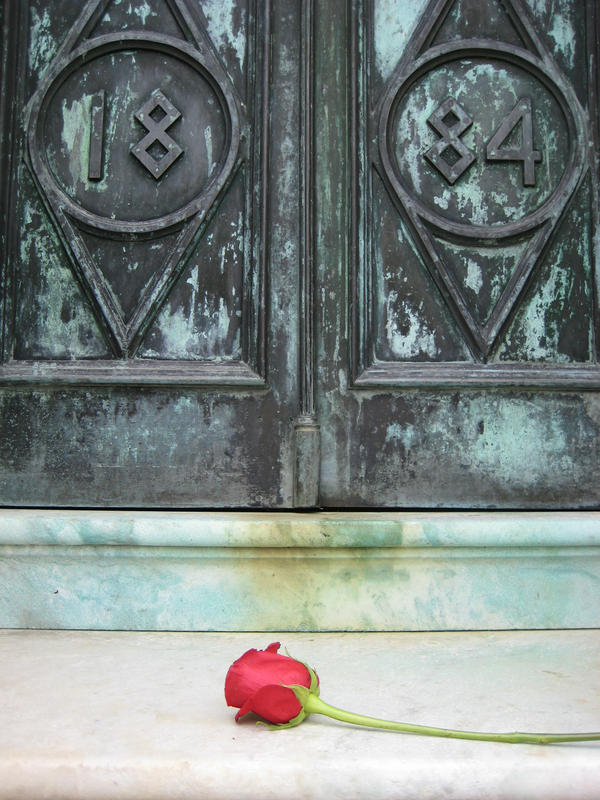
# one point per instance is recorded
(481, 141)
(133, 133)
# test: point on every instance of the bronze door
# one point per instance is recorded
(276, 254)
(466, 283)
(150, 253)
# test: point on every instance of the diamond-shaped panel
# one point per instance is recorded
(113, 144)
(482, 142)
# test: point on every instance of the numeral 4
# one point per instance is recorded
(525, 153)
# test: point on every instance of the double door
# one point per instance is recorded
(291, 255)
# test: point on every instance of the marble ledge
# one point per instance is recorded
(382, 571)
(287, 529)
(125, 715)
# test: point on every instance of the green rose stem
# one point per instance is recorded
(312, 704)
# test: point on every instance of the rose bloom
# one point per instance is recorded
(258, 682)
(285, 692)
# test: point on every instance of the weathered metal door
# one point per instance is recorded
(467, 282)
(150, 257)
(276, 254)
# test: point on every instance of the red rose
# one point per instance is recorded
(285, 692)
(258, 682)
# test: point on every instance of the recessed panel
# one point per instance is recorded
(142, 151)
(479, 155)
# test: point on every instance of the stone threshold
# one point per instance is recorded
(235, 571)
(124, 715)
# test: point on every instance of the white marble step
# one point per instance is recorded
(142, 715)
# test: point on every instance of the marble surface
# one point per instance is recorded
(379, 571)
(320, 530)
(128, 715)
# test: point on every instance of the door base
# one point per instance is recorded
(378, 571)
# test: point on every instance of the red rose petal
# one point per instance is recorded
(258, 668)
(275, 704)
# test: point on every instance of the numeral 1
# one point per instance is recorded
(96, 137)
(525, 153)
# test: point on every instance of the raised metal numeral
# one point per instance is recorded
(449, 154)
(156, 115)
(157, 151)
(525, 153)
(96, 137)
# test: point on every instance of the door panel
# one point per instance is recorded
(468, 375)
(295, 254)
(140, 365)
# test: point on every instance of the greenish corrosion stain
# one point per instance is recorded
(75, 119)
(469, 447)
(42, 44)
(209, 149)
(203, 324)
(541, 326)
(75, 137)
(143, 11)
(412, 336)
(226, 24)
(407, 435)
(208, 320)
(554, 322)
(560, 29)
(483, 272)
(518, 443)
(57, 321)
(394, 24)
(286, 589)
